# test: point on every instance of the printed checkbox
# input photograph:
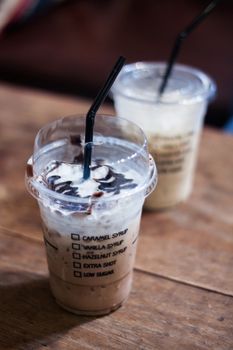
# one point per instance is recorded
(76, 256)
(77, 274)
(75, 246)
(75, 236)
(76, 265)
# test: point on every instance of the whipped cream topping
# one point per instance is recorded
(67, 179)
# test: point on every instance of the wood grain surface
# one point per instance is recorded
(159, 314)
(182, 296)
(193, 242)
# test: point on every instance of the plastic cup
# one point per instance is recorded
(91, 242)
(172, 122)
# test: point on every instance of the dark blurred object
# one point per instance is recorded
(13, 12)
(72, 48)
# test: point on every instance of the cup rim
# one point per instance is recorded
(208, 92)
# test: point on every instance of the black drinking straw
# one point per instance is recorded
(90, 118)
(181, 36)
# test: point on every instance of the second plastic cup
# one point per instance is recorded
(91, 240)
(171, 122)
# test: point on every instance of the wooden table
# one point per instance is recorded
(182, 296)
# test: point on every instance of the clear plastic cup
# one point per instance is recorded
(172, 122)
(91, 242)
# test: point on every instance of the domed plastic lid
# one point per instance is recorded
(117, 142)
(141, 81)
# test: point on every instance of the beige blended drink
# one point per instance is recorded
(91, 226)
(172, 122)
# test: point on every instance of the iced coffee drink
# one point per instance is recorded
(172, 122)
(91, 226)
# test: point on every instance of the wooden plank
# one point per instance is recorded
(19, 212)
(22, 105)
(170, 243)
(21, 119)
(193, 242)
(23, 112)
(159, 314)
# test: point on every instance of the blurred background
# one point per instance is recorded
(69, 46)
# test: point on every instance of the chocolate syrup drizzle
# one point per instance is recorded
(113, 182)
(118, 182)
